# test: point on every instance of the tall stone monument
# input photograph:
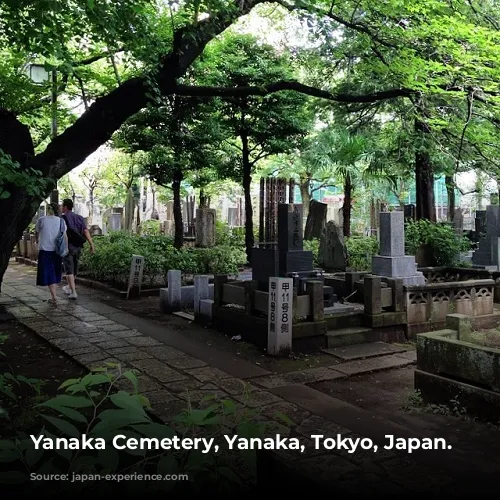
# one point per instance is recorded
(392, 261)
(205, 227)
(488, 253)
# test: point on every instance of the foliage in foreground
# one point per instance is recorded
(95, 406)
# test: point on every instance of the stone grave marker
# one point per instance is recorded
(488, 253)
(280, 315)
(392, 261)
(135, 278)
(332, 255)
(316, 220)
(205, 227)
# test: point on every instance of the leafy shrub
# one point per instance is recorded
(360, 250)
(97, 407)
(113, 254)
(9, 382)
(229, 236)
(313, 246)
(150, 227)
(444, 243)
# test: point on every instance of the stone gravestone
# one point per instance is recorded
(316, 220)
(205, 227)
(480, 223)
(290, 259)
(332, 255)
(280, 315)
(458, 220)
(392, 261)
(114, 222)
(487, 255)
(135, 278)
(410, 212)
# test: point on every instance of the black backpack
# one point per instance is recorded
(74, 238)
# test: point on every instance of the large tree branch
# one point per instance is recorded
(96, 126)
(264, 90)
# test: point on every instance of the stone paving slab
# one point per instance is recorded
(361, 351)
(372, 364)
(308, 376)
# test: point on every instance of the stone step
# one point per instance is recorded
(348, 336)
(344, 320)
(363, 351)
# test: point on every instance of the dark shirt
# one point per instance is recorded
(77, 223)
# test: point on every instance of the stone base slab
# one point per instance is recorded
(398, 267)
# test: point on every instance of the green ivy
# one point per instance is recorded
(360, 250)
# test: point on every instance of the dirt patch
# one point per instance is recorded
(391, 396)
(28, 355)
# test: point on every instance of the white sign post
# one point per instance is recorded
(280, 315)
(136, 271)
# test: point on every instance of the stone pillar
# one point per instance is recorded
(205, 227)
(373, 294)
(398, 297)
(219, 281)
(351, 278)
(200, 292)
(174, 290)
(250, 287)
(315, 291)
(461, 324)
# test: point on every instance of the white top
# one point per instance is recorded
(48, 228)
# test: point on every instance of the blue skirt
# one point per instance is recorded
(49, 271)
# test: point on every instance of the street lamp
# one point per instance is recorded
(38, 74)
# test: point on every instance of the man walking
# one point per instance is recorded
(78, 234)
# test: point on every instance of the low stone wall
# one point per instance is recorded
(450, 367)
(452, 274)
(428, 305)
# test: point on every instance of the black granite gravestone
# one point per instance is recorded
(289, 259)
(410, 212)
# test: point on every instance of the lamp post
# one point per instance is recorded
(38, 74)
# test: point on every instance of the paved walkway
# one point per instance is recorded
(174, 370)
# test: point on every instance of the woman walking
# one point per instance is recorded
(49, 231)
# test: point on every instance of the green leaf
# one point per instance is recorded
(69, 382)
(284, 418)
(7, 444)
(130, 375)
(65, 427)
(73, 414)
(127, 401)
(95, 379)
(108, 458)
(69, 401)
(33, 456)
(112, 421)
(229, 407)
(155, 430)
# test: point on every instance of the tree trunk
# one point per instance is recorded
(177, 209)
(204, 200)
(247, 181)
(347, 207)
(424, 179)
(450, 190)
